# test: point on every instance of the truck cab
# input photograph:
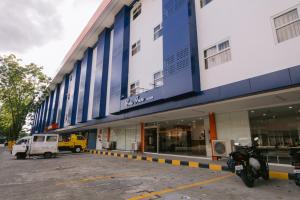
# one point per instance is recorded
(73, 142)
(36, 145)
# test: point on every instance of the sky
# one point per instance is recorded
(42, 31)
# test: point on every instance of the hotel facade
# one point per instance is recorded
(181, 77)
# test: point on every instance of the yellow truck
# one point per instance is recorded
(73, 142)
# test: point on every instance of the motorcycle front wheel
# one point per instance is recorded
(247, 178)
(297, 179)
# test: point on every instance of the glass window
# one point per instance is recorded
(135, 48)
(180, 137)
(79, 137)
(39, 138)
(51, 138)
(157, 31)
(158, 79)
(20, 142)
(204, 2)
(134, 88)
(287, 26)
(278, 129)
(137, 11)
(218, 54)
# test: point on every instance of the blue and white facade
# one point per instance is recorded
(163, 73)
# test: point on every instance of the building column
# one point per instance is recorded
(213, 130)
(108, 134)
(142, 137)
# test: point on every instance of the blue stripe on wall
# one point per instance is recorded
(100, 84)
(45, 114)
(76, 90)
(64, 103)
(50, 109)
(55, 106)
(120, 59)
(41, 117)
(84, 86)
(180, 53)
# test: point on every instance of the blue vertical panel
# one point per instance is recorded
(55, 104)
(92, 138)
(84, 86)
(64, 101)
(45, 114)
(120, 60)
(180, 53)
(50, 109)
(41, 117)
(37, 119)
(73, 111)
(100, 85)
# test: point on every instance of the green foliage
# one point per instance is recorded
(21, 90)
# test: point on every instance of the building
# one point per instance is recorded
(173, 76)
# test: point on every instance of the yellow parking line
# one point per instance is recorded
(176, 162)
(182, 187)
(193, 164)
(215, 167)
(149, 159)
(279, 175)
(139, 157)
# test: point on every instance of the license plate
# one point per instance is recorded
(297, 171)
(239, 167)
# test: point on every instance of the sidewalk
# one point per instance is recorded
(276, 171)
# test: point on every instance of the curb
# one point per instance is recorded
(191, 164)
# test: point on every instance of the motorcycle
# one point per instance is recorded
(295, 155)
(248, 163)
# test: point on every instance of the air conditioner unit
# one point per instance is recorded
(219, 148)
(134, 146)
(105, 145)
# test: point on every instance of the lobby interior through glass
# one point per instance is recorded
(180, 137)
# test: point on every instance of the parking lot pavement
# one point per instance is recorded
(86, 176)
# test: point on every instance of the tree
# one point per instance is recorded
(22, 88)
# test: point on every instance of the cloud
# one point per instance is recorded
(25, 24)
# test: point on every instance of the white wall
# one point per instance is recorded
(249, 27)
(71, 94)
(232, 126)
(149, 60)
(109, 72)
(92, 85)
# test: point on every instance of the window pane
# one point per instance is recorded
(38, 138)
(288, 32)
(286, 18)
(51, 138)
(223, 45)
(211, 51)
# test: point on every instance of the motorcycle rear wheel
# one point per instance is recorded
(265, 172)
(247, 178)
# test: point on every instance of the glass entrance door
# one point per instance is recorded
(151, 140)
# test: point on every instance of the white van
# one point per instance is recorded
(36, 145)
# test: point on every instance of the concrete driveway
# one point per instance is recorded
(87, 176)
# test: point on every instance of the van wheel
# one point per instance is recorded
(77, 149)
(21, 156)
(47, 155)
